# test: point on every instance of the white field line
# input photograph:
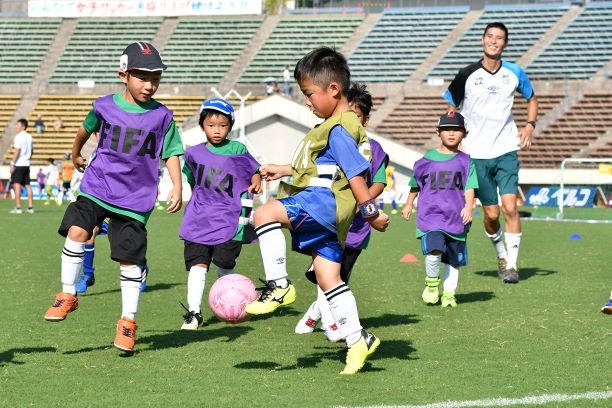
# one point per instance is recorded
(506, 402)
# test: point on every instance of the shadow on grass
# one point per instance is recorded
(388, 349)
(177, 338)
(388, 320)
(150, 288)
(475, 297)
(9, 356)
(524, 273)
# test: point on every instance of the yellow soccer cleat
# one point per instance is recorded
(359, 352)
(271, 298)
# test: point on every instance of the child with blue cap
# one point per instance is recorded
(223, 176)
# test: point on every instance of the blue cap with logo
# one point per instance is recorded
(219, 105)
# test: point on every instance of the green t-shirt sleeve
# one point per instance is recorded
(380, 176)
(413, 182)
(173, 145)
(189, 174)
(472, 181)
(91, 123)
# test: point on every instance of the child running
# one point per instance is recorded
(327, 189)
(444, 180)
(360, 101)
(121, 183)
(223, 176)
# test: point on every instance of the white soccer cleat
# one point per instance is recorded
(309, 321)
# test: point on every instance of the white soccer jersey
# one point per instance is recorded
(23, 142)
(485, 100)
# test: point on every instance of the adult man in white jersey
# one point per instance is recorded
(484, 94)
(20, 165)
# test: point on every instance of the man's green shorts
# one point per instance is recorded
(498, 173)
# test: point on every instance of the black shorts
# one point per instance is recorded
(223, 255)
(127, 237)
(21, 175)
(349, 257)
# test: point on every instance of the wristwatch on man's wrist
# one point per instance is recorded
(532, 123)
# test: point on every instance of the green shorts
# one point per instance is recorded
(498, 173)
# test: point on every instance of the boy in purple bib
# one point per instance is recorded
(223, 176)
(444, 180)
(121, 183)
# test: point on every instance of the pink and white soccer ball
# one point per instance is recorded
(229, 295)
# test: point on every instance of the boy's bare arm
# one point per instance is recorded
(376, 189)
(275, 171)
(409, 206)
(175, 196)
(466, 212)
(79, 141)
(255, 187)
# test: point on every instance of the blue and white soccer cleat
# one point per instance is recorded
(85, 282)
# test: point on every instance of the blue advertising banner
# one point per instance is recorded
(572, 196)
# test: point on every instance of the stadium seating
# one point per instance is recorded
(86, 56)
(525, 25)
(293, 37)
(580, 50)
(8, 104)
(202, 50)
(23, 45)
(400, 41)
(572, 119)
(572, 133)
(413, 122)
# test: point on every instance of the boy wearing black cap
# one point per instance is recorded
(120, 183)
(223, 178)
(445, 180)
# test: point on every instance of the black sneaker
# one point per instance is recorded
(192, 320)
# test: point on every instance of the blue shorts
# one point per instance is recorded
(500, 172)
(308, 236)
(454, 252)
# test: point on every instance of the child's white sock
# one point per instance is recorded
(344, 310)
(327, 319)
(196, 282)
(131, 278)
(72, 263)
(451, 278)
(273, 250)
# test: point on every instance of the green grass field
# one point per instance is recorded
(544, 336)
